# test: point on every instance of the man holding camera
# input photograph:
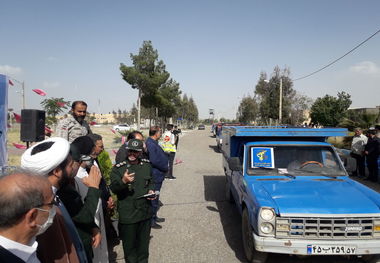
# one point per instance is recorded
(132, 180)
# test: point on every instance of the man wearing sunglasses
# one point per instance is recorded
(27, 210)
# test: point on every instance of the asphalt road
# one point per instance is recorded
(201, 226)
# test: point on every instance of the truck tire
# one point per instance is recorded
(228, 194)
(372, 258)
(251, 253)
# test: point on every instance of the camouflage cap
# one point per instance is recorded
(135, 145)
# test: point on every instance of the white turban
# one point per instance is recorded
(46, 161)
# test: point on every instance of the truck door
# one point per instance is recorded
(238, 178)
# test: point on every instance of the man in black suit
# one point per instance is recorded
(372, 151)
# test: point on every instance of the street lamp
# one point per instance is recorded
(22, 92)
(280, 101)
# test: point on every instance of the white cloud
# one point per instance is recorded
(9, 70)
(365, 67)
(54, 84)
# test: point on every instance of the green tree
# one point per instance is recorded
(267, 93)
(169, 99)
(53, 107)
(330, 110)
(300, 104)
(248, 110)
(187, 111)
(147, 74)
(355, 119)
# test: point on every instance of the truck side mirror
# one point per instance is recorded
(234, 164)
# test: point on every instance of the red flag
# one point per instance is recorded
(93, 123)
(39, 92)
(19, 146)
(17, 117)
(48, 130)
(10, 82)
(61, 104)
(178, 161)
(112, 130)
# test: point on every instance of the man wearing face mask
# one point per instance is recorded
(27, 210)
(74, 125)
(51, 159)
(82, 209)
(131, 180)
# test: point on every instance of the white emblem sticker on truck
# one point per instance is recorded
(330, 250)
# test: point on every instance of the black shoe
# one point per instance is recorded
(160, 219)
(172, 178)
(156, 226)
(160, 203)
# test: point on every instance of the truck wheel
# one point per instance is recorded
(228, 193)
(251, 253)
(372, 258)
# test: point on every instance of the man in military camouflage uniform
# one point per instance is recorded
(131, 180)
(74, 125)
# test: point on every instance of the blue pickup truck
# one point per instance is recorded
(295, 196)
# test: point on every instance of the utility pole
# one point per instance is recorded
(138, 110)
(280, 104)
(23, 94)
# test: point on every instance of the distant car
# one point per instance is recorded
(201, 127)
(122, 127)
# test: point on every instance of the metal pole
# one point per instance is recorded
(138, 110)
(23, 94)
(280, 106)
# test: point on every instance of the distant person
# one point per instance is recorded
(357, 151)
(51, 159)
(372, 151)
(160, 165)
(168, 145)
(74, 125)
(131, 180)
(176, 133)
(27, 210)
(121, 154)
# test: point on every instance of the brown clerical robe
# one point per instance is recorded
(55, 244)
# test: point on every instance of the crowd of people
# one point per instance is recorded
(365, 149)
(57, 206)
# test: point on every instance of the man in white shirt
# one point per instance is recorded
(27, 210)
(357, 151)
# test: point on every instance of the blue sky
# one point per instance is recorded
(214, 49)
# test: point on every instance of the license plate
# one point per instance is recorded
(330, 250)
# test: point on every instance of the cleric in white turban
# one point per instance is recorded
(45, 161)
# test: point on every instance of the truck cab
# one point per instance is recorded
(295, 196)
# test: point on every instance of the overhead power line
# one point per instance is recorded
(336, 60)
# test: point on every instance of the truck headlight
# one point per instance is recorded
(266, 228)
(267, 214)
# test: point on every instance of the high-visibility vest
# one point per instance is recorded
(166, 144)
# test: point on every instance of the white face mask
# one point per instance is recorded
(48, 221)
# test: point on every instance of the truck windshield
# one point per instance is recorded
(295, 160)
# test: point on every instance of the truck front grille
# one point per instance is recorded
(328, 228)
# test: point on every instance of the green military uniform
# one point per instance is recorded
(134, 212)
